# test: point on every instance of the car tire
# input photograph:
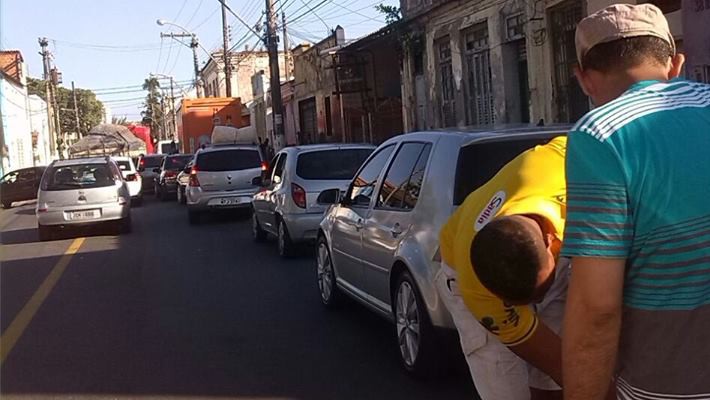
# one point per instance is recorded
(284, 244)
(414, 334)
(181, 196)
(193, 217)
(257, 233)
(6, 204)
(325, 275)
(45, 233)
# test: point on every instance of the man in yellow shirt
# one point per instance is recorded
(509, 306)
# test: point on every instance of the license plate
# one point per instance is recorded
(87, 214)
(225, 201)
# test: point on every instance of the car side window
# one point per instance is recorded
(400, 186)
(279, 169)
(363, 187)
(10, 178)
(27, 175)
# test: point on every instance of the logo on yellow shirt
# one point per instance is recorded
(490, 210)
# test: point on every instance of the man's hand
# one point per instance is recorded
(591, 327)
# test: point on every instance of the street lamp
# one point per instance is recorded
(194, 44)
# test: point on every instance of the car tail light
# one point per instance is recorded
(132, 177)
(298, 195)
(43, 208)
(264, 165)
(193, 177)
(170, 174)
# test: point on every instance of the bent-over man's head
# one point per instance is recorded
(621, 45)
(514, 257)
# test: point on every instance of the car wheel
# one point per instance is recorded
(258, 234)
(414, 332)
(6, 204)
(45, 233)
(180, 195)
(329, 293)
(284, 244)
(193, 217)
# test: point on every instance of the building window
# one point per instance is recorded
(478, 73)
(446, 83)
(570, 100)
(515, 27)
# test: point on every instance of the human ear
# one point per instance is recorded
(583, 80)
(677, 62)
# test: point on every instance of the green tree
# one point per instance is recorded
(91, 110)
(153, 112)
(392, 13)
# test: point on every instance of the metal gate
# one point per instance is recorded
(446, 83)
(571, 102)
(478, 68)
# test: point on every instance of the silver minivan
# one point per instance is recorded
(223, 177)
(80, 192)
(287, 206)
(378, 243)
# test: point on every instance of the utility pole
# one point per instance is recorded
(49, 95)
(172, 107)
(76, 111)
(162, 118)
(225, 51)
(194, 44)
(287, 49)
(272, 44)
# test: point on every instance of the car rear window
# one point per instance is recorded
(124, 165)
(83, 176)
(478, 163)
(151, 162)
(177, 162)
(228, 160)
(339, 164)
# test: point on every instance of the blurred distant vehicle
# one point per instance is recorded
(167, 147)
(146, 168)
(183, 179)
(20, 185)
(79, 192)
(166, 183)
(287, 206)
(132, 177)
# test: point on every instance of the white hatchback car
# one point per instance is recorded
(132, 177)
(78, 192)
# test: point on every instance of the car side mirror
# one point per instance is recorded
(257, 181)
(330, 196)
(156, 170)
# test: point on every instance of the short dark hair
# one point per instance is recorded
(626, 53)
(507, 260)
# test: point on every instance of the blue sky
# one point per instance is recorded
(103, 45)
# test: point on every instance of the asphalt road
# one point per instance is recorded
(179, 311)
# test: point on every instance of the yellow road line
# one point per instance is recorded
(24, 317)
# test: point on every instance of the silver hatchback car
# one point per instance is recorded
(287, 206)
(379, 243)
(82, 192)
(223, 177)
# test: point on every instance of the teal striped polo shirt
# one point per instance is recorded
(638, 188)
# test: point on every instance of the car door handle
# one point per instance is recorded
(396, 230)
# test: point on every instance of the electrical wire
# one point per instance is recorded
(317, 6)
(199, 5)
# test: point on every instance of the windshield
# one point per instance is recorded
(82, 176)
(151, 162)
(177, 162)
(331, 164)
(228, 160)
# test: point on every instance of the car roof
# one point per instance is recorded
(80, 161)
(470, 135)
(222, 147)
(328, 146)
(180, 155)
(121, 158)
(154, 155)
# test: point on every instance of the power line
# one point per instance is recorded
(199, 5)
(204, 21)
(180, 10)
(317, 6)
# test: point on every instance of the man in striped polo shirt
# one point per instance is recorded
(638, 216)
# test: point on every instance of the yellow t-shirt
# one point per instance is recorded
(532, 183)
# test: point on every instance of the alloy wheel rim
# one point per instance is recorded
(325, 273)
(407, 316)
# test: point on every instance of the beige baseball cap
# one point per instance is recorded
(621, 21)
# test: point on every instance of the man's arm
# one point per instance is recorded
(543, 351)
(591, 326)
